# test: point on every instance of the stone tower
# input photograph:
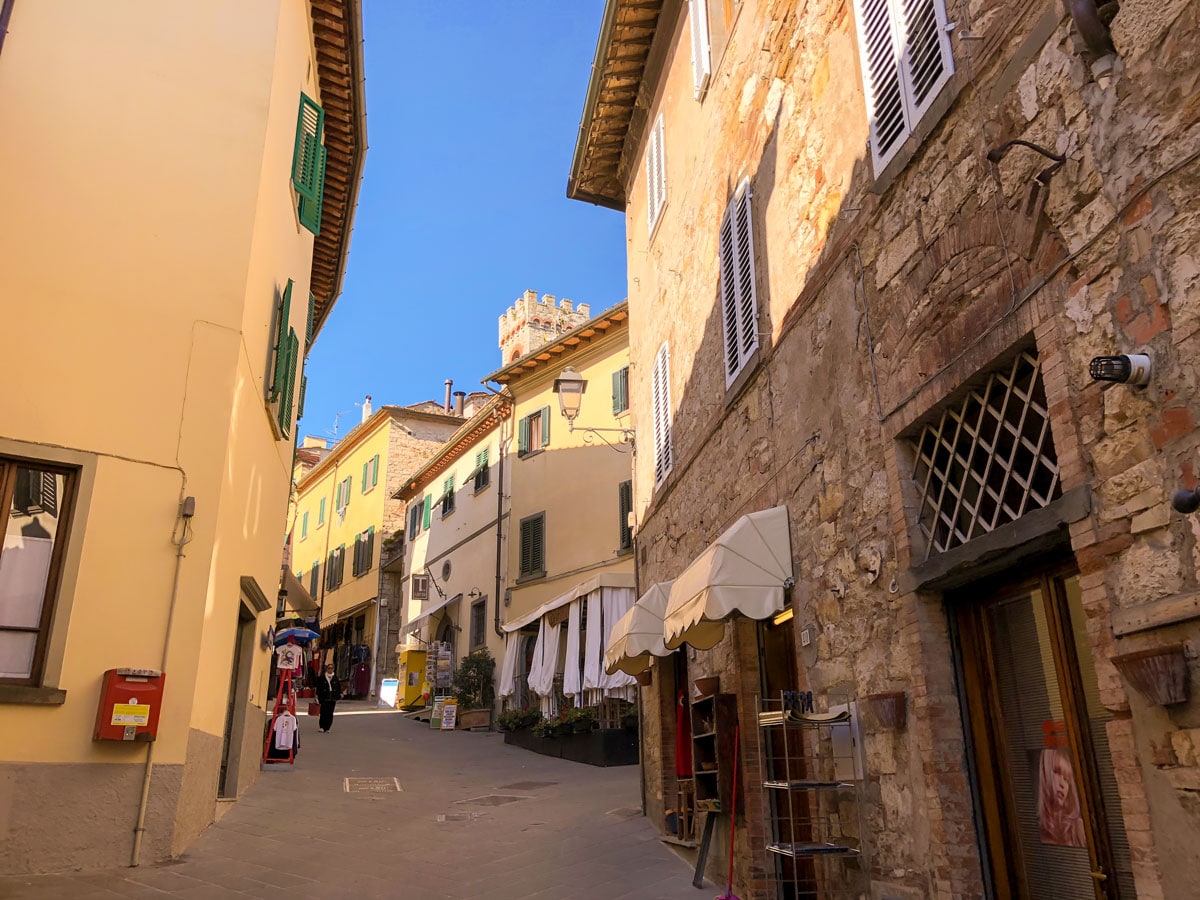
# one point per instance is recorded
(531, 322)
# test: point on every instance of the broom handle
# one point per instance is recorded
(737, 740)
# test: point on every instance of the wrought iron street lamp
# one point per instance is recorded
(570, 387)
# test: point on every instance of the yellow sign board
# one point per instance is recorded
(131, 714)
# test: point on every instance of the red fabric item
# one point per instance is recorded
(683, 737)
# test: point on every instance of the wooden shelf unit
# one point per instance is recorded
(714, 730)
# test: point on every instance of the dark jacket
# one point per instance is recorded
(331, 690)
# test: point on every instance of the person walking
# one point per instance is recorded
(329, 692)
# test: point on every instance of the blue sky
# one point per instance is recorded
(472, 114)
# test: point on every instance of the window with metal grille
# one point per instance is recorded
(904, 50)
(533, 545)
(478, 623)
(987, 459)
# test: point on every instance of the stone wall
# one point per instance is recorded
(881, 299)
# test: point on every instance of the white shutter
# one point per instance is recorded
(701, 50)
(661, 391)
(905, 56)
(656, 175)
(739, 290)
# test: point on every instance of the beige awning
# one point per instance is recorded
(746, 570)
(297, 597)
(638, 634)
(442, 603)
(582, 589)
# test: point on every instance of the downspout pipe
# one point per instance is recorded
(187, 509)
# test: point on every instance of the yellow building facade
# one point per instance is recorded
(344, 512)
(159, 254)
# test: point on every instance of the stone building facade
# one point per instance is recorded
(975, 523)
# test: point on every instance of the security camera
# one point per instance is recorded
(1185, 501)
(1131, 369)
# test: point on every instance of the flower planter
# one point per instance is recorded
(1159, 673)
(604, 747)
(474, 718)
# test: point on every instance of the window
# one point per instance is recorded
(905, 54)
(286, 357)
(625, 505)
(342, 500)
(739, 297)
(533, 433)
(420, 587)
(701, 51)
(370, 473)
(656, 175)
(481, 473)
(661, 397)
(335, 568)
(37, 502)
(987, 459)
(427, 511)
(448, 496)
(620, 395)
(308, 162)
(415, 513)
(533, 546)
(364, 551)
(304, 526)
(479, 623)
(314, 579)
(321, 513)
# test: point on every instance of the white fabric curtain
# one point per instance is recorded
(593, 650)
(605, 608)
(617, 602)
(508, 668)
(545, 666)
(572, 674)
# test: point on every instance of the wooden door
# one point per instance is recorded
(1048, 798)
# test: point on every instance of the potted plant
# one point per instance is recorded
(474, 690)
(518, 719)
(545, 728)
(582, 720)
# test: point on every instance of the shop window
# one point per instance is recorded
(39, 500)
(987, 459)
(533, 546)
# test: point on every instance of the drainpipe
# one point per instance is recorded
(499, 523)
(187, 509)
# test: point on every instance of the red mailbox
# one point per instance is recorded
(130, 701)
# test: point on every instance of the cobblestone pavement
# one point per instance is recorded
(475, 818)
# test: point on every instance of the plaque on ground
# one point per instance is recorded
(372, 785)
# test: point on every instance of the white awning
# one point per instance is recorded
(426, 613)
(638, 634)
(297, 597)
(604, 579)
(746, 570)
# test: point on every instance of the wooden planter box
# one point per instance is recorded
(474, 718)
(605, 747)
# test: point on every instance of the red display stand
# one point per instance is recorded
(285, 700)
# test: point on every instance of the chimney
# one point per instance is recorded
(449, 385)
(460, 398)
(366, 408)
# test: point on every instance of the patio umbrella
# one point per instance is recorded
(299, 635)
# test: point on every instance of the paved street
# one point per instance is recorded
(474, 818)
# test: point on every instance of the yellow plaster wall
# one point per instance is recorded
(574, 482)
(136, 139)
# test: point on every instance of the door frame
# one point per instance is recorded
(999, 838)
(238, 703)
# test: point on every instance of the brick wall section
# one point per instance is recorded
(953, 263)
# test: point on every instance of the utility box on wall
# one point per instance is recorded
(130, 702)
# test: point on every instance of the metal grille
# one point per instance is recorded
(988, 459)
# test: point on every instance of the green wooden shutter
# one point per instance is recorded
(616, 391)
(356, 564)
(304, 526)
(281, 338)
(303, 392)
(312, 318)
(346, 492)
(428, 509)
(321, 513)
(313, 579)
(545, 426)
(366, 475)
(310, 210)
(289, 385)
(625, 504)
(369, 549)
(539, 544)
(375, 470)
(310, 124)
(523, 437)
(526, 547)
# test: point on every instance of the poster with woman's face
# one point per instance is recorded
(1060, 821)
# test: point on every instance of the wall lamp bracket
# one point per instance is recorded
(1043, 177)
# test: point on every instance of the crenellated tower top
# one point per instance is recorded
(532, 321)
